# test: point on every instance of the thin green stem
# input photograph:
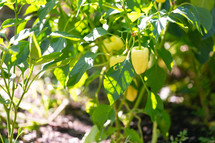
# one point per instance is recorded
(3, 88)
(139, 127)
(13, 124)
(116, 121)
(8, 120)
(139, 41)
(1, 138)
(129, 24)
(99, 87)
(99, 65)
(144, 84)
(154, 132)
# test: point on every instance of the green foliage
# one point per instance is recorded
(117, 80)
(67, 38)
(101, 114)
(156, 77)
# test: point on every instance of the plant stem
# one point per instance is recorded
(116, 121)
(8, 120)
(100, 84)
(1, 138)
(154, 132)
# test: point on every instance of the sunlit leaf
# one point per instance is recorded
(11, 22)
(80, 3)
(101, 114)
(21, 52)
(31, 9)
(96, 33)
(90, 137)
(117, 80)
(35, 51)
(61, 74)
(20, 36)
(65, 35)
(84, 64)
(154, 106)
(47, 58)
(159, 25)
(196, 16)
(133, 16)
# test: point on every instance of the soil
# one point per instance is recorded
(71, 127)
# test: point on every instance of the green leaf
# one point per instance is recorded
(84, 64)
(35, 51)
(199, 17)
(134, 5)
(4, 101)
(23, 66)
(21, 52)
(143, 22)
(65, 35)
(64, 22)
(96, 33)
(164, 123)
(43, 11)
(36, 2)
(2, 4)
(167, 57)
(56, 64)
(156, 77)
(80, 3)
(61, 74)
(101, 114)
(212, 67)
(20, 36)
(204, 16)
(31, 9)
(90, 137)
(11, 22)
(211, 32)
(133, 136)
(47, 58)
(154, 106)
(117, 80)
(57, 44)
(159, 24)
(5, 74)
(133, 16)
(207, 4)
(201, 47)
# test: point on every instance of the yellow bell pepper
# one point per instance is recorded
(131, 93)
(114, 43)
(116, 59)
(139, 58)
(160, 1)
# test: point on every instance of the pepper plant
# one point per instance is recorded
(73, 37)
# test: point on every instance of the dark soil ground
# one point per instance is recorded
(71, 127)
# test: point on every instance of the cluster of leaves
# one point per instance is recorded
(66, 37)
